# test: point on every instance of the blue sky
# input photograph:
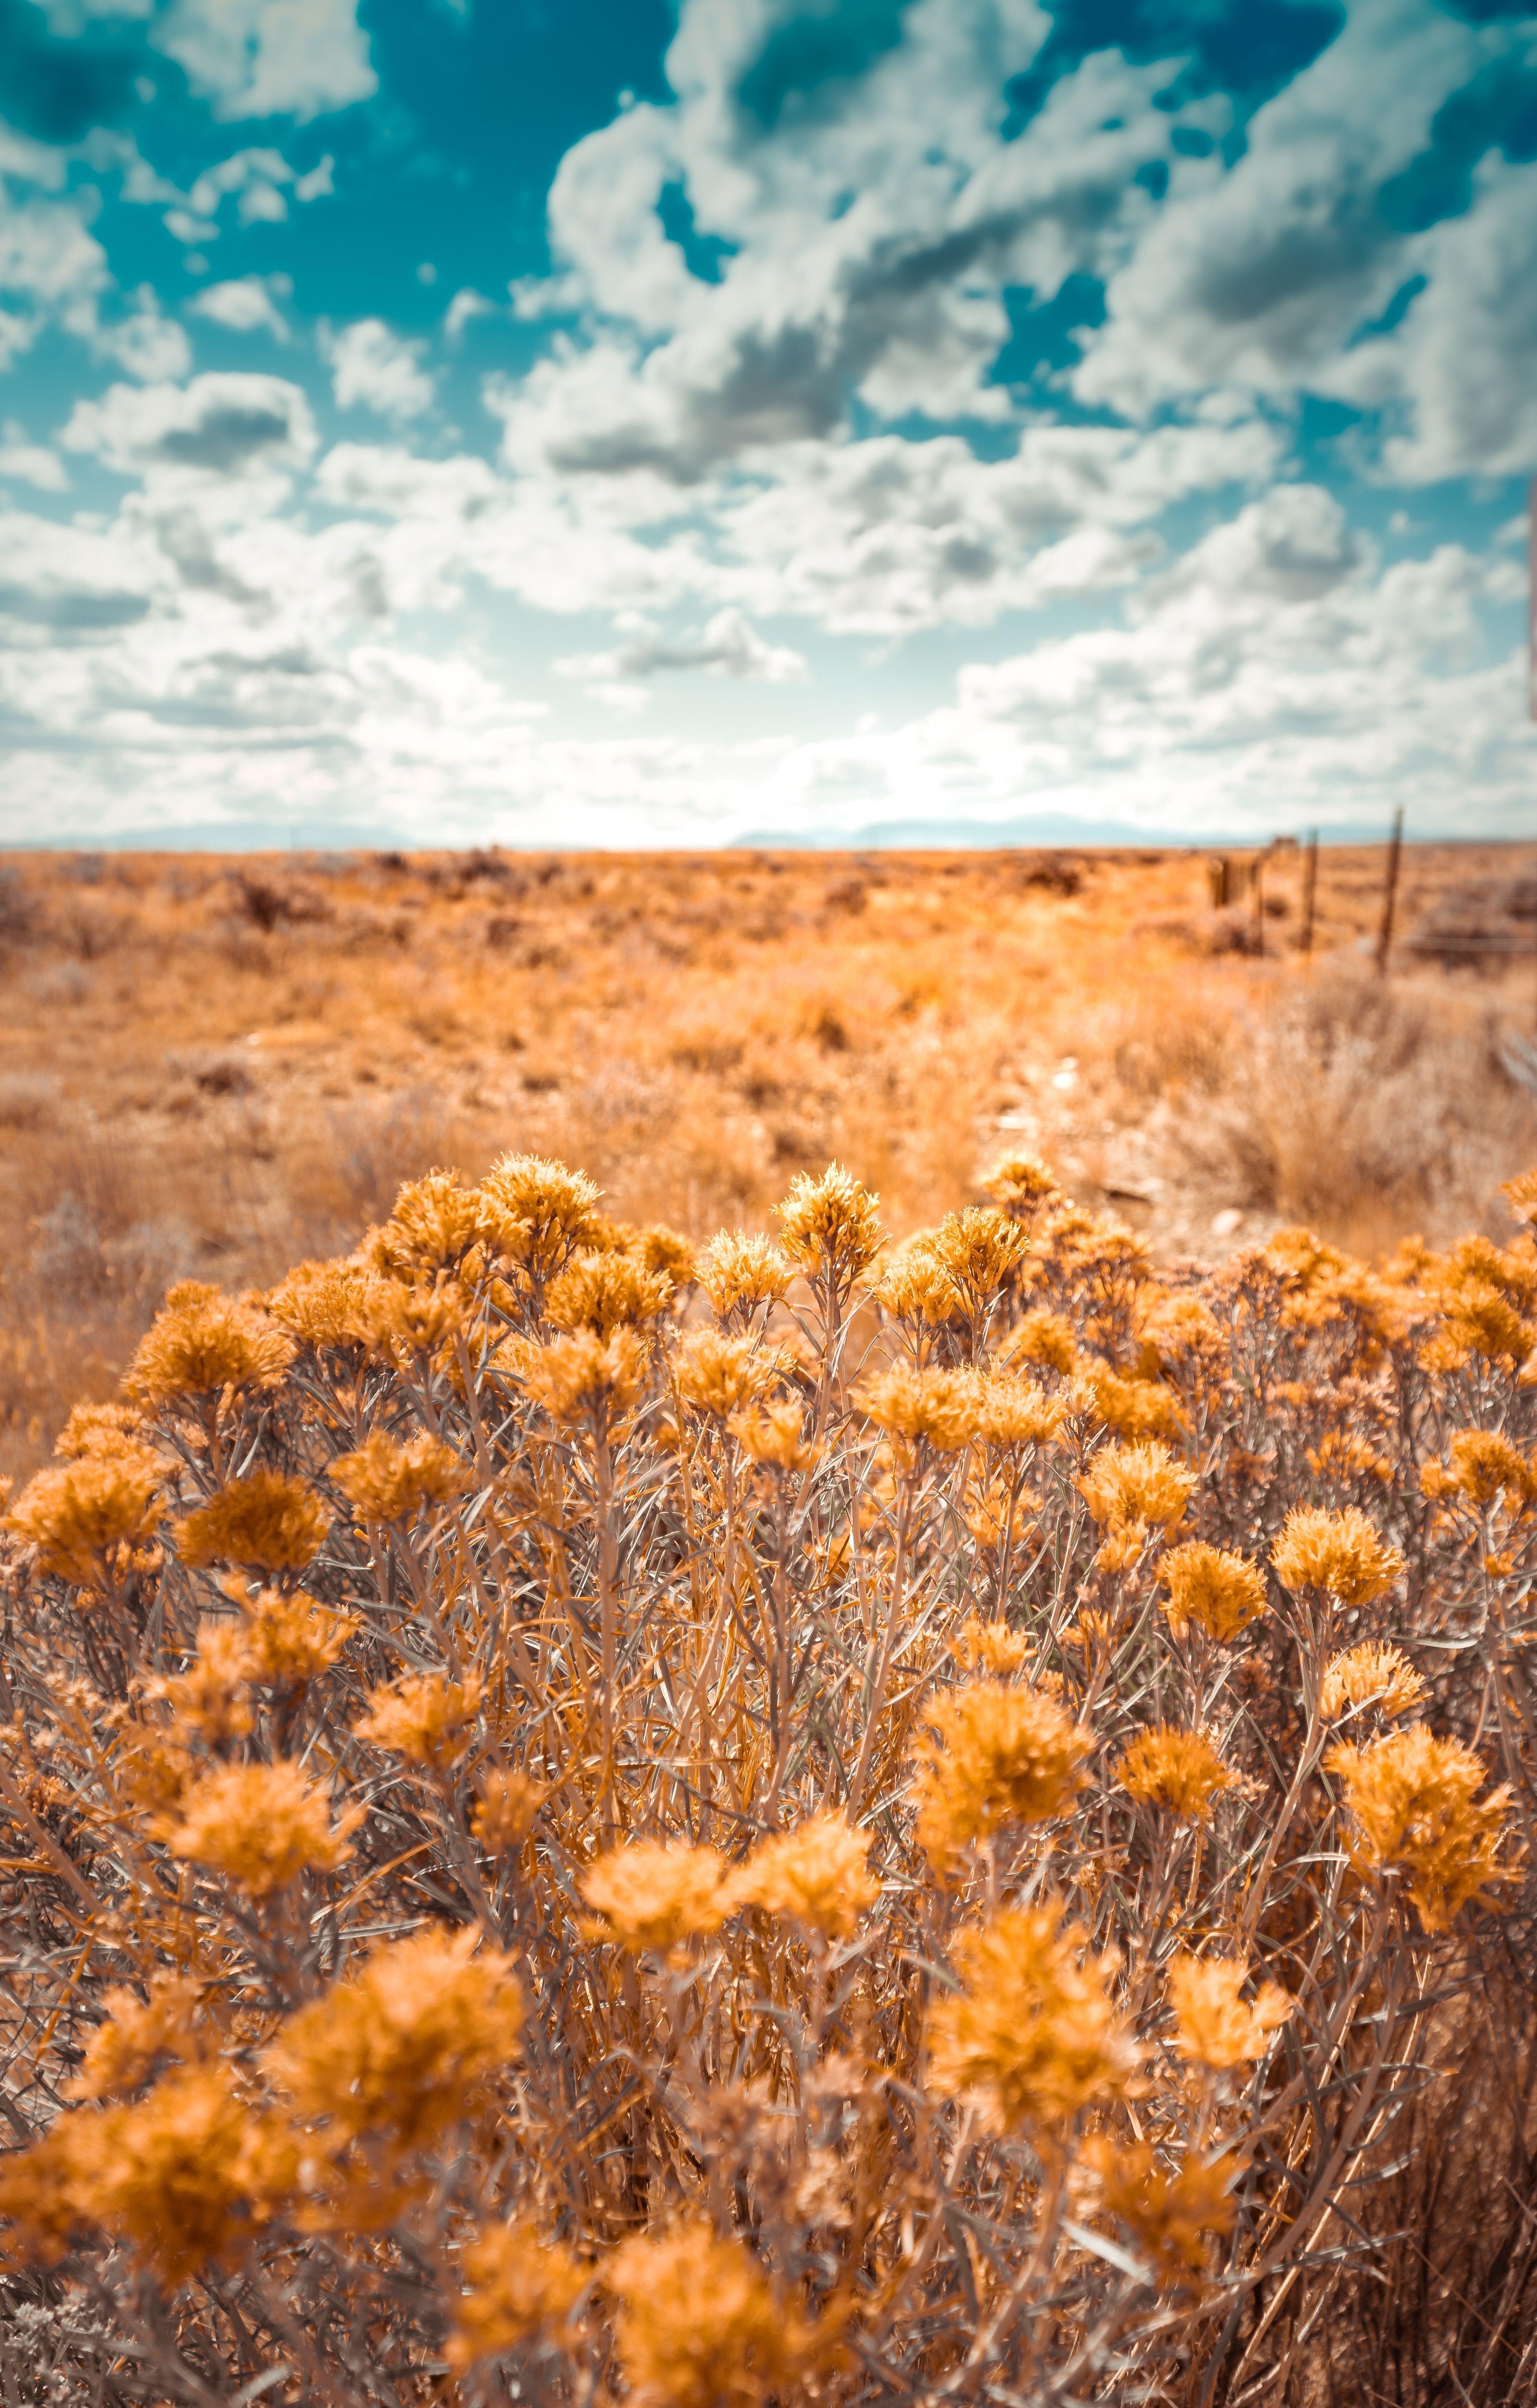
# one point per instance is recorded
(608, 421)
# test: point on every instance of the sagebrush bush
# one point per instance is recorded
(792, 1822)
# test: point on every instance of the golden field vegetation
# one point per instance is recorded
(213, 1067)
(795, 1818)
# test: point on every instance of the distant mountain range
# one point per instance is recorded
(1043, 831)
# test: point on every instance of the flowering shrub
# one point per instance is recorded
(804, 1823)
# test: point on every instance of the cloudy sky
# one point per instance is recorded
(613, 421)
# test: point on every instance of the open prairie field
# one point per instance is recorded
(216, 1067)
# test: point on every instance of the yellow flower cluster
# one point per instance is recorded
(423, 1716)
(406, 2045)
(203, 1343)
(1001, 1755)
(388, 1481)
(1413, 1802)
(1215, 2025)
(1221, 1593)
(1033, 2036)
(1132, 1489)
(1340, 1554)
(90, 1518)
(266, 1521)
(1179, 1771)
(817, 1875)
(262, 1824)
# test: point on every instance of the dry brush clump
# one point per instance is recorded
(794, 1821)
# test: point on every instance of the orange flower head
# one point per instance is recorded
(1034, 2035)
(202, 1341)
(324, 1306)
(1483, 1295)
(89, 1519)
(576, 1378)
(136, 2037)
(997, 1510)
(1002, 1755)
(212, 1694)
(506, 1811)
(1015, 1414)
(425, 1717)
(1412, 1800)
(1177, 1769)
(654, 1893)
(817, 1874)
(936, 1409)
(1372, 1675)
(828, 1226)
(1219, 1592)
(387, 1482)
(607, 1292)
(39, 2187)
(1183, 1336)
(657, 1248)
(1342, 1456)
(409, 1325)
(518, 2288)
(992, 1647)
(1173, 2217)
(106, 1433)
(914, 1286)
(1044, 1338)
(979, 1250)
(1339, 1553)
(261, 1825)
(773, 1436)
(699, 2326)
(169, 2175)
(1521, 1196)
(543, 1213)
(437, 1221)
(154, 1769)
(406, 2044)
(1216, 2026)
(290, 1639)
(1302, 1259)
(1020, 1184)
(718, 1373)
(740, 1274)
(266, 1522)
(1130, 1488)
(1484, 1468)
(1134, 1408)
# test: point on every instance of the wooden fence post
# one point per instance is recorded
(1310, 890)
(1391, 888)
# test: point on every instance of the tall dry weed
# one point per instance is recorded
(1362, 1108)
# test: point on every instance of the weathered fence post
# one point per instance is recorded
(1391, 888)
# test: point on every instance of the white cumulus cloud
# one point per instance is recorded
(375, 369)
(217, 426)
(246, 305)
(727, 646)
(269, 58)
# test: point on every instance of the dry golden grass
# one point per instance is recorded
(214, 1067)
